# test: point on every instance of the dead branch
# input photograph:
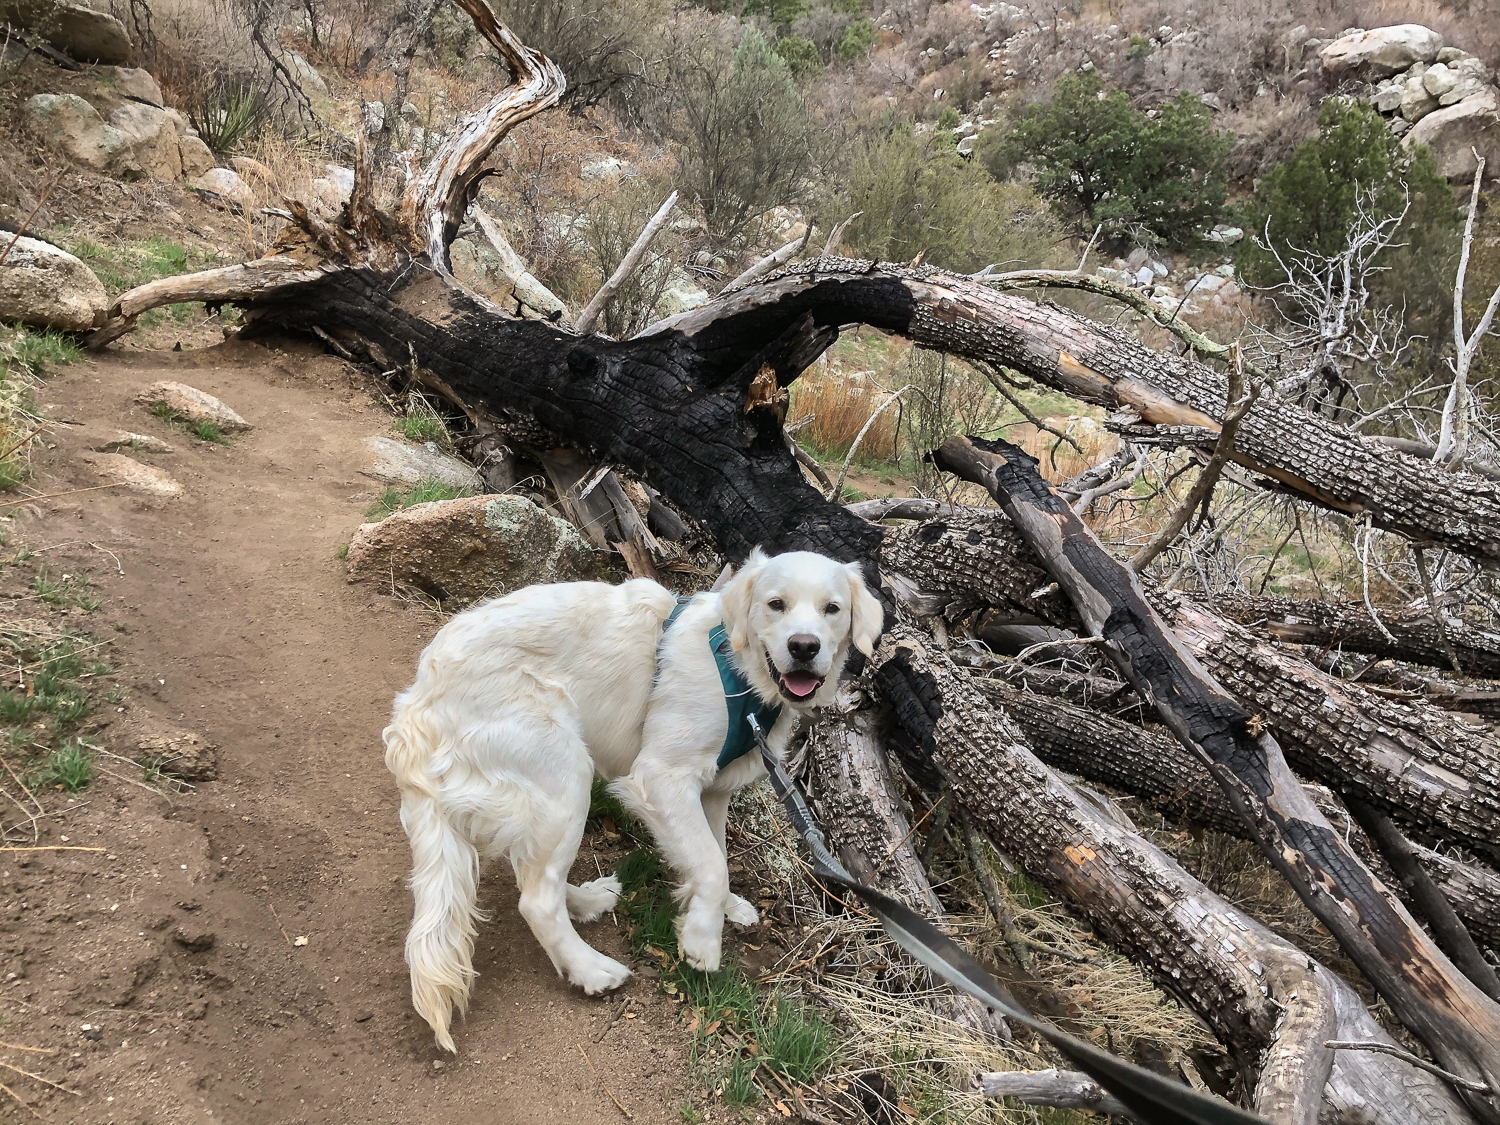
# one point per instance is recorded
(628, 265)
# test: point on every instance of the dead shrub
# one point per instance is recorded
(840, 404)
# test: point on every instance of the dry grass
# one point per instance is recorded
(892, 1046)
(839, 405)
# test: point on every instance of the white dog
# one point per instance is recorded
(520, 701)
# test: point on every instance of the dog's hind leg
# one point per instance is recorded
(544, 854)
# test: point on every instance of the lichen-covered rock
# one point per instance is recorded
(1382, 51)
(478, 547)
(192, 405)
(1452, 131)
(47, 287)
(395, 462)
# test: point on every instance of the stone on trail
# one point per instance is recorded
(477, 547)
(192, 405)
(178, 753)
(105, 440)
(132, 474)
(395, 462)
(49, 288)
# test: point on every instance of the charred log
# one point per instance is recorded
(1457, 1021)
(1266, 1000)
(1348, 625)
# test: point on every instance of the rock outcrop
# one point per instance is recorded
(1451, 132)
(49, 288)
(478, 547)
(77, 31)
(138, 139)
(1382, 51)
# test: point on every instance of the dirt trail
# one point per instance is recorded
(237, 622)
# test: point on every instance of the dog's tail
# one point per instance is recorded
(444, 884)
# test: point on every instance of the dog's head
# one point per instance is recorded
(792, 618)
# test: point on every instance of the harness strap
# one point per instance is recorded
(740, 699)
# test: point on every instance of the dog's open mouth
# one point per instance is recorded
(798, 684)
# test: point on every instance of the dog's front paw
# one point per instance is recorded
(599, 975)
(588, 901)
(740, 912)
(701, 940)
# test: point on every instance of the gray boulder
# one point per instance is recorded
(1439, 80)
(70, 124)
(1387, 99)
(226, 186)
(189, 404)
(78, 32)
(1416, 102)
(477, 547)
(1452, 131)
(1470, 77)
(49, 288)
(1382, 51)
(133, 82)
(395, 462)
(154, 143)
(305, 73)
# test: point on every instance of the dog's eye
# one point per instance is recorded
(831, 608)
(776, 605)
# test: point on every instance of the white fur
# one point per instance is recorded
(518, 702)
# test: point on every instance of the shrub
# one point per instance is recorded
(1309, 202)
(741, 130)
(601, 45)
(858, 38)
(918, 196)
(229, 116)
(615, 220)
(1100, 160)
(800, 54)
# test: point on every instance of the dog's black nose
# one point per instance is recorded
(803, 646)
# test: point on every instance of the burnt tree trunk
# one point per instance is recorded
(1266, 1000)
(1436, 776)
(1457, 1021)
(1348, 625)
(1166, 776)
(860, 804)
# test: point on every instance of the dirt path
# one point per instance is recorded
(233, 618)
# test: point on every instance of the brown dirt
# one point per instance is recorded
(233, 618)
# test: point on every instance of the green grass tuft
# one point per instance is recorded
(392, 500)
(70, 768)
(423, 428)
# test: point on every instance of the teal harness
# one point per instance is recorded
(739, 696)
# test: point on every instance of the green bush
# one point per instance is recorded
(1310, 202)
(800, 54)
(858, 38)
(918, 196)
(1139, 47)
(229, 117)
(741, 130)
(1103, 162)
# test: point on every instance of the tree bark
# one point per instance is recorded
(1458, 1022)
(859, 803)
(1154, 766)
(1436, 776)
(1268, 1002)
(1348, 625)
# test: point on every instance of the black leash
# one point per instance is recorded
(1151, 1097)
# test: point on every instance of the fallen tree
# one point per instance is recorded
(696, 406)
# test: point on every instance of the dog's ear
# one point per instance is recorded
(737, 594)
(866, 615)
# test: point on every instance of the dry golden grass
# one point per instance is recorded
(840, 404)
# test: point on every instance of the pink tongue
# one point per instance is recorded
(800, 683)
